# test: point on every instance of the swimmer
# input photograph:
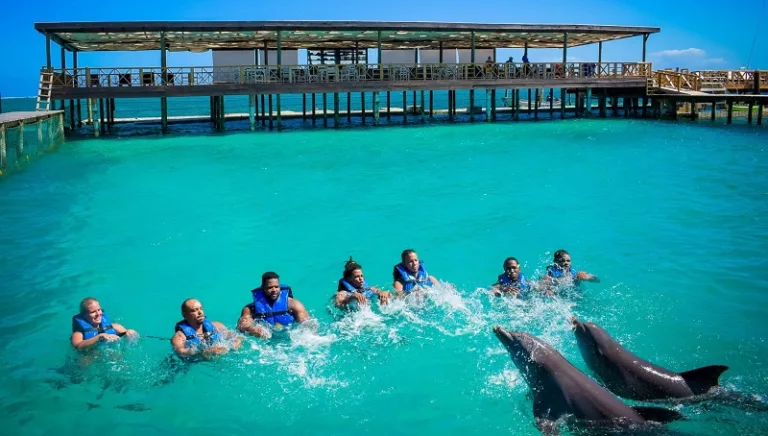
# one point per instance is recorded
(561, 271)
(272, 307)
(92, 326)
(196, 334)
(410, 274)
(512, 282)
(354, 288)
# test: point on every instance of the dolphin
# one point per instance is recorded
(560, 390)
(631, 377)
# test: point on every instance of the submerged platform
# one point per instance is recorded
(14, 119)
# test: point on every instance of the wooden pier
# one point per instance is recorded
(17, 121)
(260, 59)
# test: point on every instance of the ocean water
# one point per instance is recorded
(671, 217)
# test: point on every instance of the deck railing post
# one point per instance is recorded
(378, 56)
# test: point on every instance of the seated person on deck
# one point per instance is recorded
(92, 326)
(512, 282)
(410, 274)
(561, 272)
(354, 288)
(273, 306)
(196, 334)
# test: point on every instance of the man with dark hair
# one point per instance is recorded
(273, 307)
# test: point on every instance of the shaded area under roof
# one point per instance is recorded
(199, 36)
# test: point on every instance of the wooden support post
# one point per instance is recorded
(362, 107)
(517, 105)
(602, 104)
(389, 106)
(422, 106)
(405, 108)
(325, 110)
(108, 125)
(378, 58)
(64, 70)
(20, 143)
(270, 111)
(335, 109)
(472, 102)
(112, 114)
(164, 80)
(694, 112)
(749, 113)
(256, 108)
(39, 134)
(730, 111)
(72, 119)
(535, 104)
(493, 104)
(615, 106)
(551, 103)
(588, 109)
(304, 107)
(278, 99)
(251, 112)
(349, 107)
(376, 108)
(3, 162)
(264, 109)
(431, 104)
(712, 113)
(759, 114)
(101, 116)
(48, 64)
(529, 102)
(645, 41)
(314, 119)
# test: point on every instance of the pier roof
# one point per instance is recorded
(199, 36)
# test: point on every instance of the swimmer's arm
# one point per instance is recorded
(83, 344)
(179, 343)
(343, 298)
(246, 325)
(122, 331)
(398, 288)
(233, 337)
(587, 277)
(383, 295)
(298, 310)
(433, 280)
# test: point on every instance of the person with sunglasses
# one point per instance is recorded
(561, 272)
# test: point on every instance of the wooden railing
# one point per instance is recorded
(676, 80)
(736, 79)
(251, 74)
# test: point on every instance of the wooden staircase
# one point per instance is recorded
(44, 93)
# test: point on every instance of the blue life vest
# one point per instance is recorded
(88, 330)
(367, 291)
(277, 313)
(421, 278)
(210, 333)
(558, 272)
(521, 283)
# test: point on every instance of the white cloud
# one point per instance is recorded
(677, 53)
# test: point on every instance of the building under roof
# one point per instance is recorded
(200, 36)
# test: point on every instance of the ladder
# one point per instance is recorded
(44, 93)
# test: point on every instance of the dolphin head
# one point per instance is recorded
(588, 335)
(529, 353)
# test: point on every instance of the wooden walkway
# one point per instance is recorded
(13, 119)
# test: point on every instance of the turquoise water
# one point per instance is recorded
(671, 217)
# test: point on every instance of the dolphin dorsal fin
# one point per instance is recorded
(658, 414)
(701, 380)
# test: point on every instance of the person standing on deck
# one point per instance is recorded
(197, 335)
(410, 274)
(273, 308)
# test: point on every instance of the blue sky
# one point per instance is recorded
(704, 34)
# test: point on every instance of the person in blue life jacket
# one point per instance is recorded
(561, 271)
(195, 334)
(410, 274)
(273, 307)
(92, 326)
(354, 288)
(511, 282)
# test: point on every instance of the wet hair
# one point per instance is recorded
(504, 265)
(267, 276)
(85, 302)
(351, 266)
(559, 256)
(404, 255)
